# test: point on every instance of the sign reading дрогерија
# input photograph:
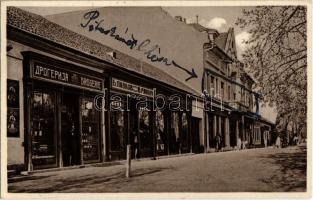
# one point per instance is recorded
(66, 77)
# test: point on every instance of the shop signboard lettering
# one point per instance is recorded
(132, 88)
(66, 77)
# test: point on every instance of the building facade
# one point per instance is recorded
(232, 111)
(73, 100)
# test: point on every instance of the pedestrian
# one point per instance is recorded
(295, 140)
(217, 142)
(239, 143)
(244, 144)
(136, 144)
(278, 142)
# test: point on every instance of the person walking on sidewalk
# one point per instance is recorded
(136, 144)
(278, 143)
(217, 142)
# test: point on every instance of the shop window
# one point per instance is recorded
(90, 131)
(175, 141)
(160, 133)
(184, 131)
(144, 130)
(118, 130)
(43, 126)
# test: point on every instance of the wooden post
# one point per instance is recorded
(128, 162)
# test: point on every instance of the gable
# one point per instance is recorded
(230, 45)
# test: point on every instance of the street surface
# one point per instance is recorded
(253, 170)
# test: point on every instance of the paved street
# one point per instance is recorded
(254, 170)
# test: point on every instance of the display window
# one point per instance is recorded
(145, 134)
(90, 119)
(185, 132)
(43, 139)
(161, 140)
(175, 140)
(118, 126)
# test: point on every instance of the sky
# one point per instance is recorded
(218, 17)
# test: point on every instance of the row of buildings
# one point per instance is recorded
(82, 85)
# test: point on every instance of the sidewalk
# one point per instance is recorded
(252, 170)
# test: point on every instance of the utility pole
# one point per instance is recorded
(128, 162)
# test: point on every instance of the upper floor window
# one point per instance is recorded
(222, 90)
(216, 87)
(212, 90)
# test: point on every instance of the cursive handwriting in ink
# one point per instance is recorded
(112, 32)
(149, 53)
(152, 53)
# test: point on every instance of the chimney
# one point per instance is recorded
(179, 18)
(197, 17)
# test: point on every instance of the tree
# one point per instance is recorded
(277, 57)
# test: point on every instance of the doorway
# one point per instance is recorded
(195, 123)
(70, 137)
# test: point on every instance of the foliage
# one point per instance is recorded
(277, 57)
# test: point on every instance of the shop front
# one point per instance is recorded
(63, 125)
(139, 118)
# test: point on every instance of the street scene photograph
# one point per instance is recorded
(156, 99)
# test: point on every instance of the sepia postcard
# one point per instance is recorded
(156, 99)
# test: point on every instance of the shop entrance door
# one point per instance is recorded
(195, 123)
(70, 139)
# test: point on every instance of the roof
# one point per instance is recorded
(201, 28)
(40, 26)
(221, 40)
(198, 27)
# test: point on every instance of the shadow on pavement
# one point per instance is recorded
(25, 178)
(293, 169)
(61, 185)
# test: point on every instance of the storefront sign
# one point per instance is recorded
(66, 77)
(132, 88)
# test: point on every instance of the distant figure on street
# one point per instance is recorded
(239, 143)
(295, 140)
(244, 144)
(217, 142)
(136, 144)
(278, 142)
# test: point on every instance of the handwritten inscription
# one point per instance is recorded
(152, 53)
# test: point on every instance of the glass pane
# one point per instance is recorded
(90, 130)
(175, 125)
(144, 132)
(43, 135)
(184, 130)
(174, 135)
(161, 137)
(117, 130)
